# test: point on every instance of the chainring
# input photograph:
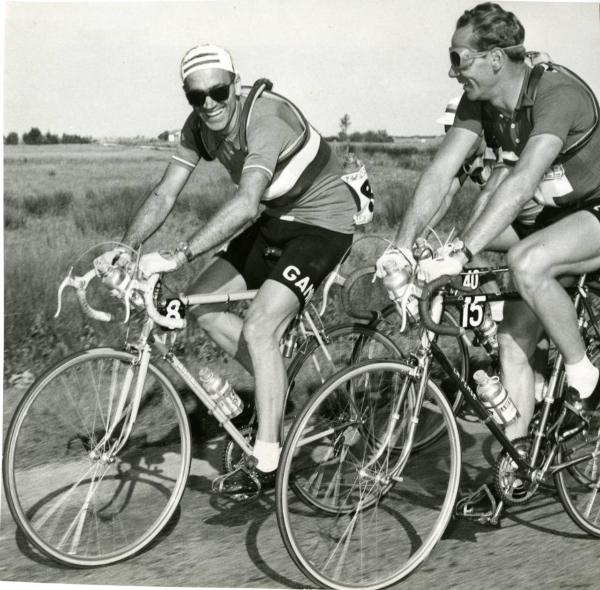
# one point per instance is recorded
(510, 485)
(233, 456)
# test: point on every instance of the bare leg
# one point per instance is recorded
(569, 246)
(518, 335)
(223, 327)
(265, 322)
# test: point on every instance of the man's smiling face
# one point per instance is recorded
(216, 113)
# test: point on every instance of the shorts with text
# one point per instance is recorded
(294, 254)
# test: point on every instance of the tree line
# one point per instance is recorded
(35, 137)
(379, 136)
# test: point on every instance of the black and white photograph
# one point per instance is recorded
(301, 294)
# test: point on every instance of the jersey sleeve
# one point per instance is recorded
(468, 115)
(269, 137)
(188, 152)
(561, 110)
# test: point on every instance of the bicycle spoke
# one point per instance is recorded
(101, 487)
(355, 507)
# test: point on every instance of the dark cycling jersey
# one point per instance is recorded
(304, 185)
(563, 108)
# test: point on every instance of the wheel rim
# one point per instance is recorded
(343, 520)
(74, 499)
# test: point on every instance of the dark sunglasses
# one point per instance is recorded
(218, 93)
(461, 58)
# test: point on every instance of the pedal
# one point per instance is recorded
(495, 517)
(480, 506)
(574, 422)
(242, 484)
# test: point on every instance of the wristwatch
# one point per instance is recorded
(184, 248)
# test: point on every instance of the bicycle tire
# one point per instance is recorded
(346, 345)
(74, 501)
(358, 524)
(455, 349)
(578, 485)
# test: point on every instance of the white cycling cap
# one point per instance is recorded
(205, 57)
(448, 117)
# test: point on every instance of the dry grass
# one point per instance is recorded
(61, 200)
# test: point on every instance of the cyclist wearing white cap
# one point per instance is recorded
(290, 200)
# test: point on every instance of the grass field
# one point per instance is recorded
(60, 200)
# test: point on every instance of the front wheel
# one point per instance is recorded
(357, 505)
(454, 349)
(83, 489)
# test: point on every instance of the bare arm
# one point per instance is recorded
(514, 191)
(241, 209)
(498, 175)
(434, 185)
(157, 206)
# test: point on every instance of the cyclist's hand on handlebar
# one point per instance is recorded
(158, 262)
(394, 259)
(433, 268)
(115, 257)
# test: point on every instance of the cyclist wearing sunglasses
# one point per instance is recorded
(559, 232)
(289, 199)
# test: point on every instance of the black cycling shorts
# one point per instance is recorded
(550, 215)
(294, 254)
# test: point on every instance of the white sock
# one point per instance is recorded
(267, 454)
(583, 376)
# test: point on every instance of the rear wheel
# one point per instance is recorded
(315, 362)
(357, 505)
(579, 485)
(77, 497)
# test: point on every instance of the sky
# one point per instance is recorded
(111, 68)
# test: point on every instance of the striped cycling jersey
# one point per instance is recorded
(304, 182)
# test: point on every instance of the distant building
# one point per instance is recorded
(174, 136)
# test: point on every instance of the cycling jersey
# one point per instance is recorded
(563, 108)
(304, 184)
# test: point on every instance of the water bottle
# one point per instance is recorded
(221, 392)
(487, 334)
(495, 398)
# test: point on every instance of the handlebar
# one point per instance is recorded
(429, 290)
(345, 294)
(129, 290)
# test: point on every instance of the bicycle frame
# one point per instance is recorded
(429, 348)
(144, 350)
